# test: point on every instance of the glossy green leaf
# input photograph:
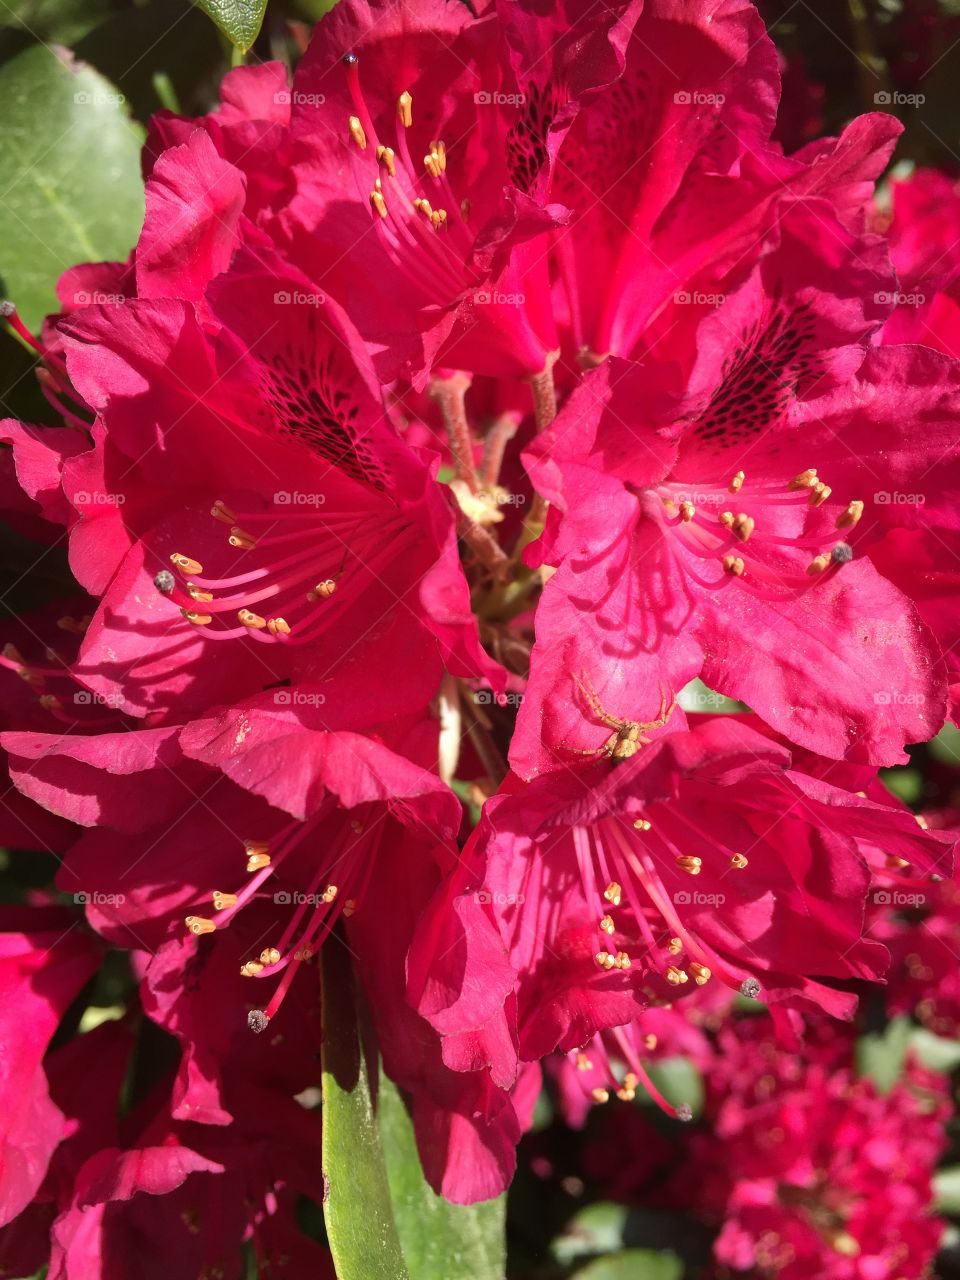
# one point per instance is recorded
(382, 1217)
(632, 1264)
(70, 186)
(358, 1211)
(239, 20)
(441, 1241)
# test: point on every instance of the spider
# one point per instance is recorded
(628, 735)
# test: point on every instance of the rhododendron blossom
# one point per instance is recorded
(501, 524)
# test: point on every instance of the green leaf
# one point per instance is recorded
(946, 1189)
(358, 1211)
(69, 174)
(596, 1228)
(382, 1217)
(441, 1241)
(934, 1051)
(882, 1056)
(632, 1264)
(679, 1081)
(239, 20)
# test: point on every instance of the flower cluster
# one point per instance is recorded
(485, 407)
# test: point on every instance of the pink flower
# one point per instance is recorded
(813, 1171)
(719, 530)
(704, 857)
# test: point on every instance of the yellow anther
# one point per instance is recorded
(625, 1094)
(621, 960)
(675, 976)
(641, 824)
(241, 539)
(845, 1244)
(220, 511)
(851, 516)
(185, 564)
(439, 150)
(438, 218)
(818, 564)
(819, 494)
(252, 620)
(432, 165)
(895, 863)
(583, 1062)
(726, 519)
(612, 893)
(357, 133)
(197, 593)
(743, 526)
(330, 892)
(198, 619)
(675, 946)
(701, 974)
(921, 821)
(692, 866)
(322, 591)
(649, 1042)
(378, 202)
(607, 925)
(736, 482)
(385, 157)
(199, 925)
(278, 626)
(303, 953)
(805, 480)
(738, 861)
(687, 511)
(258, 855)
(221, 900)
(600, 1095)
(50, 702)
(250, 969)
(270, 955)
(733, 565)
(423, 206)
(405, 109)
(349, 907)
(605, 960)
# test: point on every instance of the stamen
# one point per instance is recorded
(612, 893)
(805, 480)
(819, 494)
(600, 1095)
(357, 133)
(278, 626)
(675, 946)
(269, 955)
(250, 969)
(386, 157)
(378, 202)
(676, 976)
(607, 925)
(253, 620)
(198, 619)
(687, 511)
(220, 511)
(738, 861)
(851, 516)
(186, 565)
(257, 1020)
(241, 539)
(405, 109)
(733, 565)
(642, 824)
(743, 526)
(692, 866)
(323, 590)
(736, 482)
(221, 900)
(199, 925)
(701, 974)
